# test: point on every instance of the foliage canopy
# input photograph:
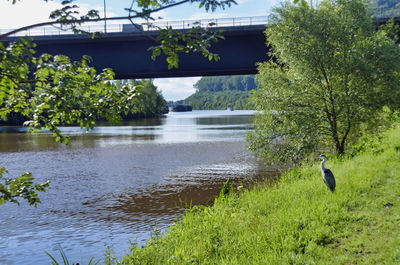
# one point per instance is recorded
(149, 101)
(333, 71)
(20, 187)
(54, 91)
(223, 83)
(219, 92)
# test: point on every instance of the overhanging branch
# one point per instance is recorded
(77, 21)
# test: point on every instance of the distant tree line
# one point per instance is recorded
(226, 83)
(149, 102)
(219, 92)
(385, 8)
(219, 100)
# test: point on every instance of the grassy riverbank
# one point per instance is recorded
(297, 221)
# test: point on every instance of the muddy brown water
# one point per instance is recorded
(110, 187)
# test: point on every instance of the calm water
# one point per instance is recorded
(113, 185)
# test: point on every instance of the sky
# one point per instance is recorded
(26, 12)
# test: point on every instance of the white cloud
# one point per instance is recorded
(25, 13)
(29, 12)
(176, 88)
(206, 15)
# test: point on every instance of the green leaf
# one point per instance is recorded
(332, 73)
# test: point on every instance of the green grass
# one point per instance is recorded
(296, 221)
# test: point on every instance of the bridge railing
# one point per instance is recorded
(220, 22)
(144, 26)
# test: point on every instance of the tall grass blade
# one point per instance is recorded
(55, 262)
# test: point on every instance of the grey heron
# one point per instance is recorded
(327, 174)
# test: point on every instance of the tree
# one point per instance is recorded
(332, 71)
(55, 91)
(225, 83)
(219, 92)
(149, 101)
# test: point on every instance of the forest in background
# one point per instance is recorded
(219, 92)
(385, 8)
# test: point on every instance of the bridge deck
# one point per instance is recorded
(127, 53)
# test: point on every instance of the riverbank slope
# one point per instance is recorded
(297, 221)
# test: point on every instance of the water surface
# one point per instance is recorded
(113, 185)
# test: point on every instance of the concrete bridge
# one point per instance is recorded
(126, 51)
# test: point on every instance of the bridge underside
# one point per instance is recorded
(127, 54)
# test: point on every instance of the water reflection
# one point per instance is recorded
(112, 185)
(225, 120)
(197, 126)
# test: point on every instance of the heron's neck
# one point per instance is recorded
(323, 164)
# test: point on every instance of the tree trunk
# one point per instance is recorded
(339, 146)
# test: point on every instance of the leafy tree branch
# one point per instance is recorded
(55, 91)
(20, 187)
(334, 73)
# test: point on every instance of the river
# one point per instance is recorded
(112, 186)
